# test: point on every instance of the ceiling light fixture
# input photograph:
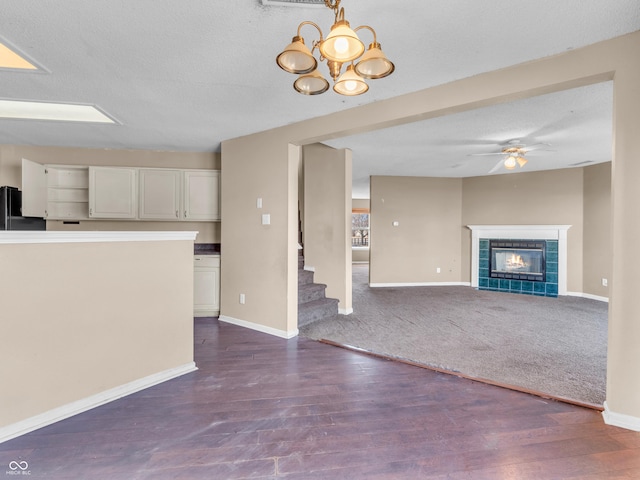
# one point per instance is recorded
(340, 47)
(514, 156)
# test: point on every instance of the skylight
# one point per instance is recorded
(52, 111)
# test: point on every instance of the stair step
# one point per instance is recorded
(309, 292)
(317, 310)
(304, 276)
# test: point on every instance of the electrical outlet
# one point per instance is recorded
(242, 299)
(605, 282)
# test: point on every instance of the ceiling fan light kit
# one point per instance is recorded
(513, 154)
(342, 46)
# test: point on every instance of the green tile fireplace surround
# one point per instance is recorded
(547, 288)
(554, 239)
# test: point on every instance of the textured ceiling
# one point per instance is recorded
(186, 75)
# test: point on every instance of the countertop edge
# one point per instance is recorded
(22, 237)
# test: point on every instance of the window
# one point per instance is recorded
(360, 227)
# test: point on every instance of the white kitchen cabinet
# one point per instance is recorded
(206, 285)
(64, 192)
(55, 192)
(160, 194)
(113, 193)
(201, 195)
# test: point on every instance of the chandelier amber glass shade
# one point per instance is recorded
(342, 45)
(297, 58)
(311, 84)
(350, 83)
(374, 63)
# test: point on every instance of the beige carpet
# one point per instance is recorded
(556, 346)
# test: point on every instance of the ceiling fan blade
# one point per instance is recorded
(537, 152)
(497, 167)
(481, 154)
(535, 146)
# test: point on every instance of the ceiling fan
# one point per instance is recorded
(513, 154)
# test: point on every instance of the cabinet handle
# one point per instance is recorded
(177, 214)
(185, 214)
(90, 212)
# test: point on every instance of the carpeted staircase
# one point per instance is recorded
(312, 303)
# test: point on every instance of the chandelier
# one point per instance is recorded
(341, 47)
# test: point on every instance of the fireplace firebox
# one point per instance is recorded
(517, 260)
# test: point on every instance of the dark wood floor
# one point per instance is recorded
(263, 407)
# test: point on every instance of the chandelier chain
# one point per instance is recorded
(332, 4)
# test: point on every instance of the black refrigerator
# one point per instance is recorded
(10, 212)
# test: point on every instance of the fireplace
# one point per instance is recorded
(517, 259)
(525, 259)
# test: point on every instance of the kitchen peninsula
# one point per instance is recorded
(89, 317)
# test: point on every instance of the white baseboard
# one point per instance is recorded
(422, 284)
(345, 311)
(259, 328)
(620, 419)
(65, 411)
(588, 295)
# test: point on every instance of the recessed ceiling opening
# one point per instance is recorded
(12, 60)
(294, 3)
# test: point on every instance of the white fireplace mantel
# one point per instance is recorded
(528, 232)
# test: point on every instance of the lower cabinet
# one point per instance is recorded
(206, 285)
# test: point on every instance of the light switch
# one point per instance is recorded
(266, 219)
(395, 224)
(259, 203)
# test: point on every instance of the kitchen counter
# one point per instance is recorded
(119, 304)
(206, 249)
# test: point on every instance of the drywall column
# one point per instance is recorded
(259, 196)
(327, 244)
(623, 382)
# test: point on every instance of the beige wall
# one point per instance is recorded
(327, 241)
(623, 357)
(536, 198)
(81, 318)
(597, 229)
(11, 174)
(511, 199)
(428, 212)
(262, 162)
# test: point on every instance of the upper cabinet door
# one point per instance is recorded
(34, 189)
(113, 192)
(160, 193)
(201, 195)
